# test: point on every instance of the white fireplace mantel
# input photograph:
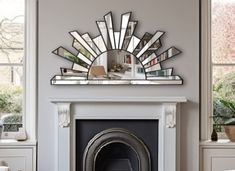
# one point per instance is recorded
(167, 112)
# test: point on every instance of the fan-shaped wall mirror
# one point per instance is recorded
(116, 57)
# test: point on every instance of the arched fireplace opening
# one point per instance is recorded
(116, 156)
(116, 149)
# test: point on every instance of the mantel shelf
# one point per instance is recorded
(136, 99)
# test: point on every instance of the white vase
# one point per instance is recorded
(21, 135)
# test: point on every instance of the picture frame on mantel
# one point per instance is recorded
(117, 57)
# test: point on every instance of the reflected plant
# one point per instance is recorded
(10, 99)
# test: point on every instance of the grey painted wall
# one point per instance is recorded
(180, 20)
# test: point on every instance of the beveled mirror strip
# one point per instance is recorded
(153, 68)
(155, 37)
(79, 68)
(82, 57)
(103, 31)
(169, 78)
(160, 73)
(100, 43)
(149, 58)
(109, 26)
(143, 41)
(116, 36)
(133, 43)
(155, 46)
(124, 24)
(70, 80)
(79, 38)
(64, 53)
(71, 72)
(169, 53)
(88, 39)
(129, 32)
(82, 50)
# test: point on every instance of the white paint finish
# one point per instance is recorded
(156, 111)
(170, 115)
(19, 158)
(217, 144)
(11, 142)
(63, 114)
(63, 147)
(219, 159)
(185, 36)
(115, 99)
(30, 70)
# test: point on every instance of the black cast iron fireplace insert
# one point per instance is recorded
(116, 145)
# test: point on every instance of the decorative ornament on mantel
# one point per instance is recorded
(117, 57)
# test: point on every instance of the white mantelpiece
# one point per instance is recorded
(164, 109)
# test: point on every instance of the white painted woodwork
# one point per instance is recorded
(163, 109)
(18, 156)
(217, 156)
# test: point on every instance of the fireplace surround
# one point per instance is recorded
(164, 110)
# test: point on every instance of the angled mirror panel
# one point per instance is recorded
(64, 53)
(142, 43)
(109, 25)
(82, 50)
(79, 68)
(133, 44)
(153, 68)
(124, 25)
(160, 73)
(71, 72)
(99, 42)
(89, 40)
(169, 53)
(129, 32)
(116, 36)
(156, 36)
(79, 38)
(84, 59)
(104, 32)
(149, 58)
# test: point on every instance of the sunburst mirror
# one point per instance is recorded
(116, 57)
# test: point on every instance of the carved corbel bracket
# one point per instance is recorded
(63, 114)
(170, 114)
